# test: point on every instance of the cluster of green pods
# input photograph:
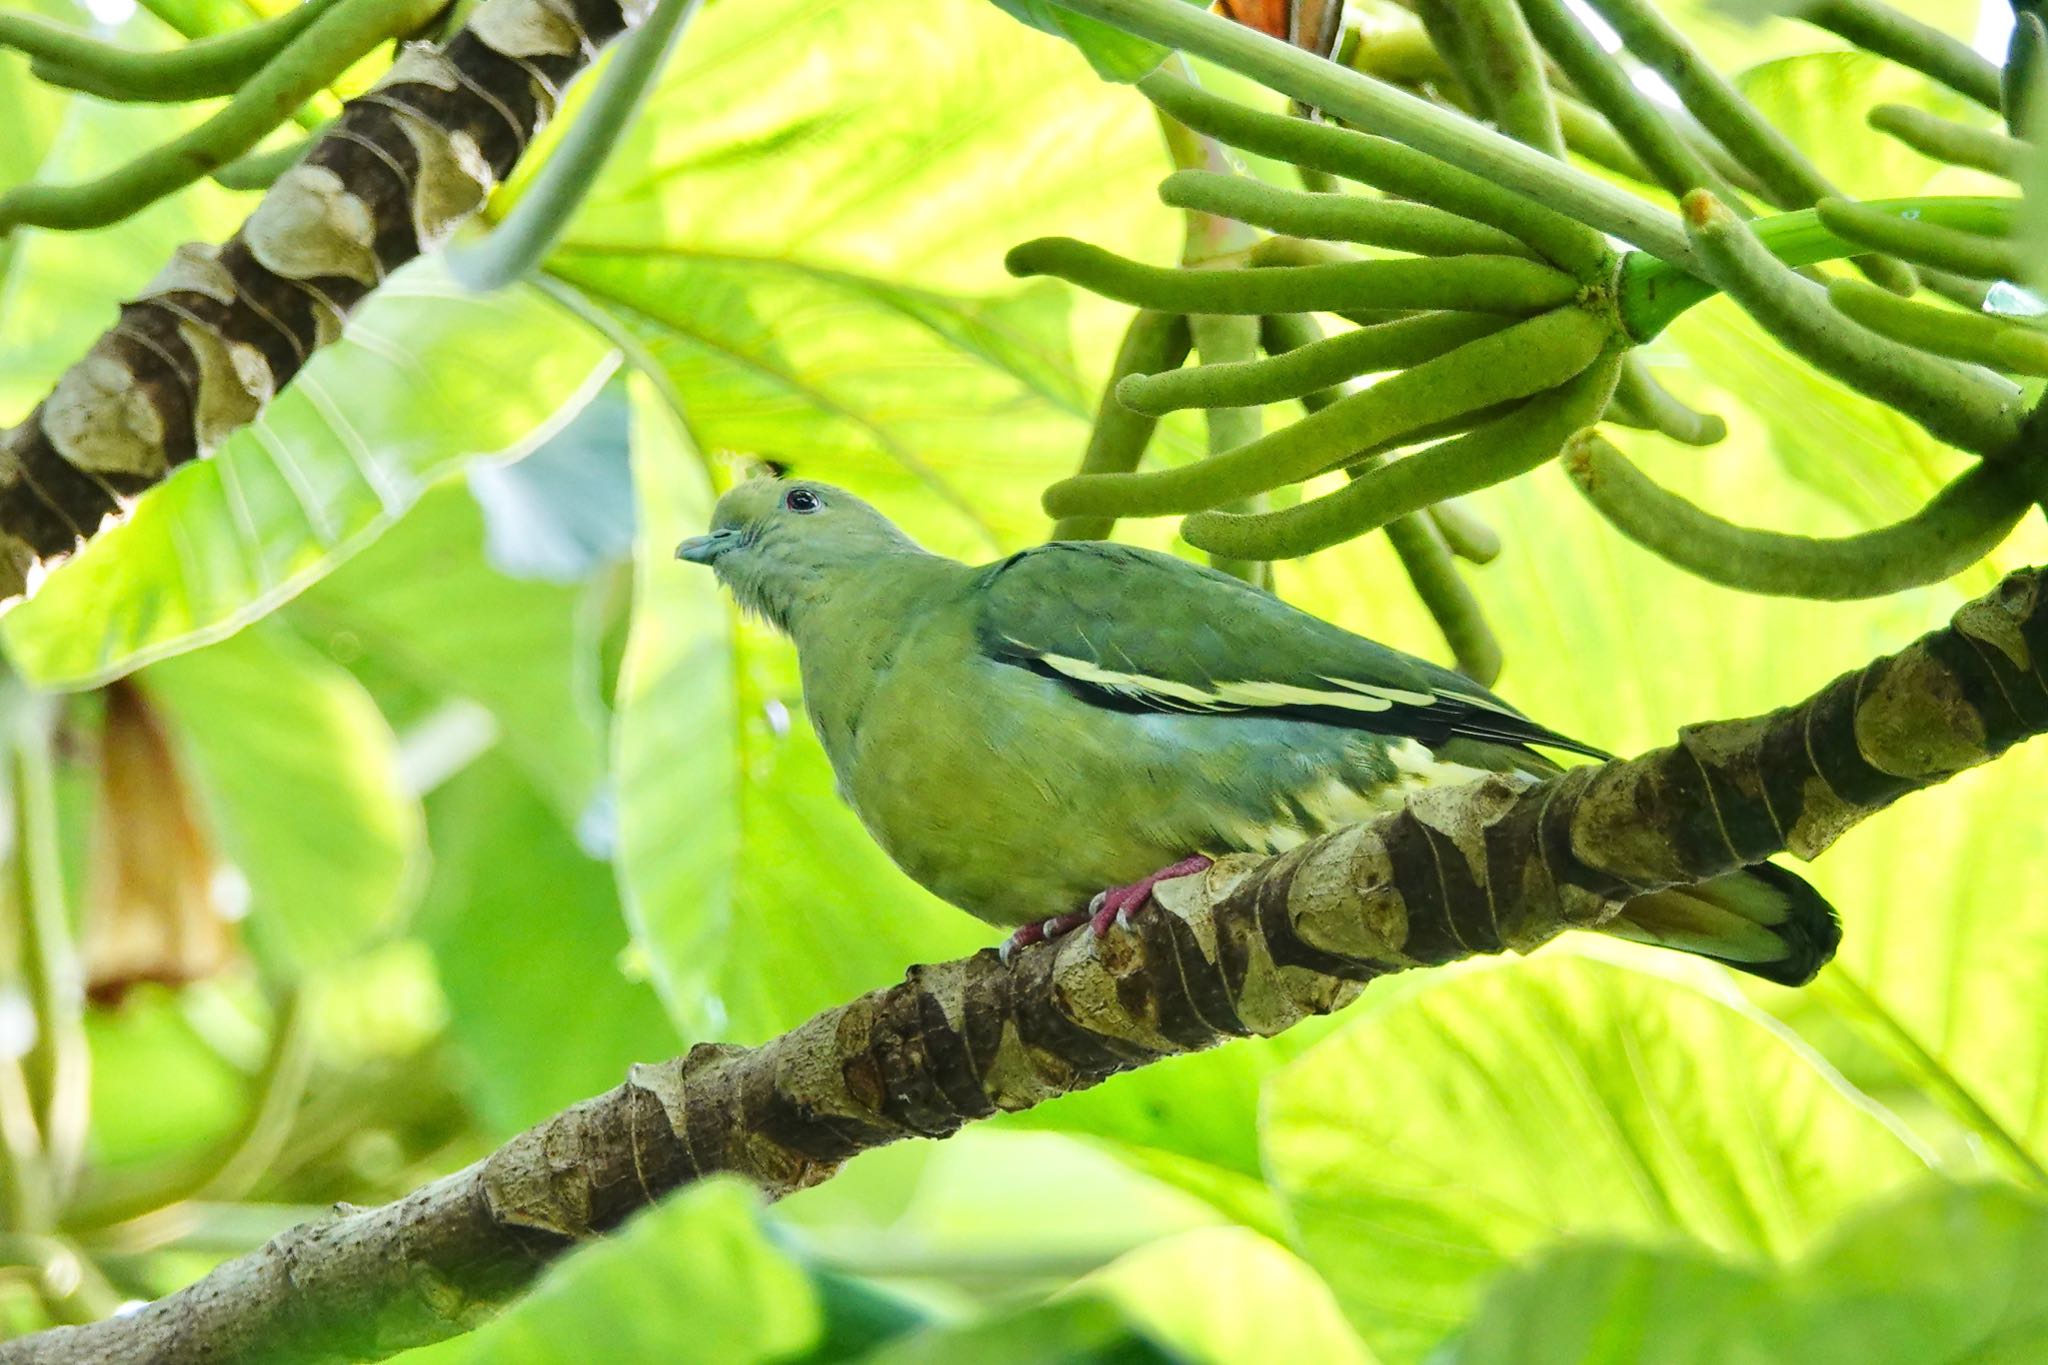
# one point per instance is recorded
(1495, 331)
(1502, 332)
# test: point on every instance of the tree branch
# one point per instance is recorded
(223, 329)
(1251, 947)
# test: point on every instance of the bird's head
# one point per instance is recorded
(780, 544)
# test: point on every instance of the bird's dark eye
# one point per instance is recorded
(801, 500)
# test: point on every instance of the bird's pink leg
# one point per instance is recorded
(1121, 902)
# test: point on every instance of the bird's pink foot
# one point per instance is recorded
(1039, 931)
(1119, 903)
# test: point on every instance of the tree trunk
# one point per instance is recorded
(223, 329)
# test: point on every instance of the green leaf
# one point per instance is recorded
(1080, 1329)
(517, 913)
(835, 296)
(565, 511)
(1426, 1149)
(423, 603)
(1192, 1122)
(1115, 55)
(1235, 1296)
(1949, 947)
(694, 1278)
(757, 895)
(423, 378)
(953, 413)
(1816, 98)
(301, 775)
(1945, 1273)
(785, 139)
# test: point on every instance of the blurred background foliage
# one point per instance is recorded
(386, 786)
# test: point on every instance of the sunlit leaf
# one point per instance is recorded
(1080, 1329)
(1950, 949)
(1809, 97)
(424, 377)
(1945, 1273)
(1423, 1150)
(1117, 56)
(785, 137)
(694, 1278)
(1234, 1296)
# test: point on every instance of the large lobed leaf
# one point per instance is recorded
(1425, 1149)
(1944, 1273)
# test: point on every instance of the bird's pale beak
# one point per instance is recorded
(705, 549)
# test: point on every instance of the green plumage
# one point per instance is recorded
(1021, 735)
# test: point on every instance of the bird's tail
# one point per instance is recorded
(1762, 920)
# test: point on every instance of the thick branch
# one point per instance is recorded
(223, 329)
(1252, 947)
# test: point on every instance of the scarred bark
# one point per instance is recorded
(1251, 947)
(223, 329)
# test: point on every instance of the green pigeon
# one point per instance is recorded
(1043, 739)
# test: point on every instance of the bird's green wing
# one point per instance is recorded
(1133, 630)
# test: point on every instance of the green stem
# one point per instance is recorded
(1387, 165)
(1338, 217)
(1975, 254)
(335, 41)
(536, 221)
(2022, 82)
(1883, 30)
(1675, 162)
(1360, 100)
(1512, 364)
(278, 1086)
(1223, 339)
(1154, 343)
(1652, 292)
(1959, 526)
(25, 1202)
(1449, 600)
(1789, 179)
(1468, 535)
(71, 1286)
(1488, 45)
(1493, 284)
(1404, 56)
(1981, 340)
(1956, 143)
(1967, 408)
(1494, 453)
(58, 1065)
(1461, 528)
(260, 170)
(204, 69)
(1308, 368)
(231, 1169)
(1640, 401)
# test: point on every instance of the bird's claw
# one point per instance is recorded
(1117, 905)
(1041, 931)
